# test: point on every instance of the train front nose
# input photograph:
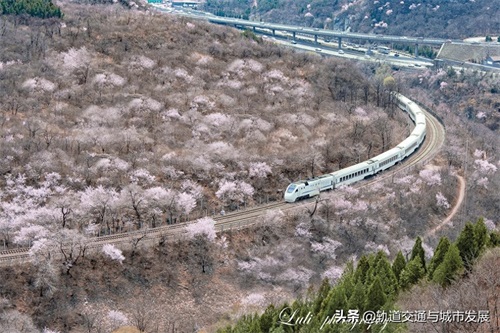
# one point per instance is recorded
(290, 194)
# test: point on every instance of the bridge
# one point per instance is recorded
(327, 34)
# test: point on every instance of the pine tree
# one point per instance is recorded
(467, 245)
(451, 266)
(418, 251)
(437, 259)
(323, 291)
(494, 239)
(411, 274)
(481, 235)
(362, 269)
(387, 277)
(336, 300)
(376, 296)
(268, 319)
(398, 265)
(372, 271)
(358, 298)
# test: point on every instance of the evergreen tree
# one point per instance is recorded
(268, 319)
(362, 269)
(358, 298)
(467, 245)
(372, 271)
(411, 274)
(450, 267)
(375, 298)
(438, 257)
(336, 300)
(37, 8)
(398, 265)
(481, 235)
(494, 239)
(323, 291)
(418, 251)
(387, 277)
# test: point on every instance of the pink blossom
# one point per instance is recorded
(254, 299)
(46, 330)
(490, 224)
(441, 201)
(112, 252)
(431, 177)
(479, 153)
(185, 202)
(142, 176)
(333, 273)
(192, 188)
(259, 170)
(204, 226)
(234, 190)
(117, 318)
(483, 182)
(302, 230)
(327, 247)
(299, 276)
(371, 246)
(74, 59)
(484, 166)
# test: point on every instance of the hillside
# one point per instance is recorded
(115, 120)
(445, 19)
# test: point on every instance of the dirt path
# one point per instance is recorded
(458, 204)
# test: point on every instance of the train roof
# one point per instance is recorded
(385, 155)
(352, 168)
(309, 180)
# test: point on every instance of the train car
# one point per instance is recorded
(308, 188)
(353, 173)
(303, 189)
(387, 159)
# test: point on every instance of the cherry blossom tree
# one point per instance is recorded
(112, 252)
(234, 191)
(72, 246)
(430, 176)
(117, 319)
(204, 226)
(259, 170)
(442, 201)
(99, 202)
(176, 204)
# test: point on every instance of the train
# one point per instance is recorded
(303, 189)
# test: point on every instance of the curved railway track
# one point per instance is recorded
(241, 219)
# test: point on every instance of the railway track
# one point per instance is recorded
(244, 218)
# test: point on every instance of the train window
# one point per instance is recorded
(291, 188)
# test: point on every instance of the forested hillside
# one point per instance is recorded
(37, 8)
(446, 19)
(374, 284)
(116, 120)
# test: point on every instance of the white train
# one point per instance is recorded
(308, 188)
